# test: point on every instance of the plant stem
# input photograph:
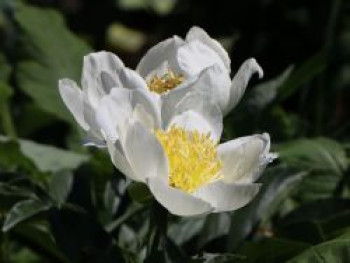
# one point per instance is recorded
(157, 228)
(7, 122)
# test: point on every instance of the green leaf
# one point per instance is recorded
(60, 186)
(85, 240)
(277, 184)
(336, 250)
(219, 258)
(215, 226)
(11, 194)
(23, 211)
(139, 192)
(324, 158)
(48, 52)
(317, 221)
(11, 157)
(186, 229)
(320, 154)
(303, 74)
(39, 238)
(271, 250)
(263, 94)
(51, 159)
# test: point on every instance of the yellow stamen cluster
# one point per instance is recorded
(166, 82)
(192, 158)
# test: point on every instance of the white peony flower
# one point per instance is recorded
(181, 161)
(177, 66)
(168, 72)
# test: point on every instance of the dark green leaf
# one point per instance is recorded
(263, 94)
(139, 192)
(336, 250)
(272, 250)
(12, 158)
(277, 185)
(320, 154)
(317, 221)
(85, 240)
(51, 159)
(215, 226)
(185, 229)
(220, 258)
(60, 186)
(48, 53)
(303, 74)
(23, 211)
(38, 237)
(324, 158)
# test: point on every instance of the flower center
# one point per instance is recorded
(192, 158)
(168, 81)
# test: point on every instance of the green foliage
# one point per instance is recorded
(336, 250)
(278, 183)
(47, 53)
(22, 211)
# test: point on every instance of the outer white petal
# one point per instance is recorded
(130, 79)
(73, 97)
(193, 121)
(245, 158)
(212, 82)
(119, 160)
(194, 57)
(177, 201)
(109, 80)
(163, 51)
(227, 197)
(96, 83)
(197, 33)
(240, 82)
(123, 105)
(114, 113)
(145, 154)
(209, 113)
(150, 105)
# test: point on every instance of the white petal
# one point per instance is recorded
(73, 97)
(194, 57)
(193, 121)
(145, 154)
(109, 80)
(130, 79)
(150, 104)
(197, 33)
(114, 113)
(240, 82)
(214, 83)
(245, 158)
(122, 106)
(161, 70)
(155, 56)
(93, 80)
(200, 103)
(119, 160)
(227, 197)
(211, 82)
(177, 201)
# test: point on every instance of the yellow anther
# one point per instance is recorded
(168, 81)
(192, 157)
